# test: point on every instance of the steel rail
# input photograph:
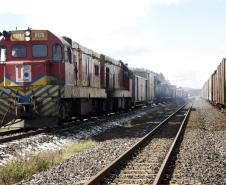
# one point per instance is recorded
(21, 136)
(178, 138)
(103, 173)
(8, 131)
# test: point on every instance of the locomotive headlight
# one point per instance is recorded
(27, 38)
(27, 33)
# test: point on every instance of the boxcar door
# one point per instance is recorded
(107, 78)
(137, 88)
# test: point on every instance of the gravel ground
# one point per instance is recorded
(202, 156)
(112, 143)
(23, 148)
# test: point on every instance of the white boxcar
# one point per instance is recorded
(150, 86)
(139, 92)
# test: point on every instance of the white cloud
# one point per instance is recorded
(108, 26)
(84, 6)
(99, 17)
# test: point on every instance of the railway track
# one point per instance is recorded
(11, 134)
(147, 160)
(9, 131)
(20, 134)
(7, 135)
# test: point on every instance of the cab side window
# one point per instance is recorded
(57, 52)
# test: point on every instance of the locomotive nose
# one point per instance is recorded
(26, 73)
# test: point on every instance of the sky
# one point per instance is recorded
(183, 39)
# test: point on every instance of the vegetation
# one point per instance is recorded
(24, 169)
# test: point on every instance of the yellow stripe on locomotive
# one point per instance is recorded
(43, 99)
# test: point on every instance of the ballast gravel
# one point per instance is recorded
(32, 145)
(202, 155)
(80, 168)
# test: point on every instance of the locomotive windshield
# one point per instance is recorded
(39, 50)
(19, 51)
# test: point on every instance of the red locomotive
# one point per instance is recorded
(43, 75)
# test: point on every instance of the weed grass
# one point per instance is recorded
(19, 169)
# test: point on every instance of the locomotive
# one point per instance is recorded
(44, 76)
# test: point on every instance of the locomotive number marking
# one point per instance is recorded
(23, 73)
(39, 35)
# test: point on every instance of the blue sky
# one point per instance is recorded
(183, 39)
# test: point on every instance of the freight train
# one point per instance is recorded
(182, 93)
(44, 76)
(214, 89)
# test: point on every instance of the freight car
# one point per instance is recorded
(181, 93)
(143, 86)
(214, 89)
(165, 92)
(46, 79)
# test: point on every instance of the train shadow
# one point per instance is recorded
(133, 129)
(137, 132)
(114, 129)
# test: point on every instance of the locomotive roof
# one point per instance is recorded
(76, 45)
(64, 42)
